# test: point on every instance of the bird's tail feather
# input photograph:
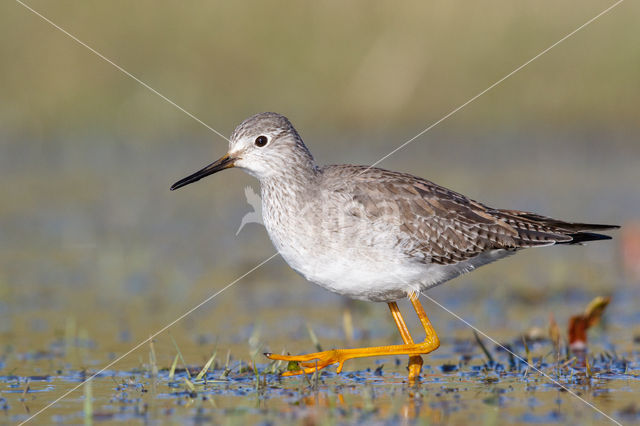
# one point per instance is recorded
(542, 229)
(581, 237)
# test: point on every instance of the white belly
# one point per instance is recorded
(354, 275)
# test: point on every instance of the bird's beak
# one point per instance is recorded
(223, 163)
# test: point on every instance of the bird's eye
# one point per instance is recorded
(261, 141)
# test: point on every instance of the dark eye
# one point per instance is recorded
(261, 141)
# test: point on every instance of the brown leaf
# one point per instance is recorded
(579, 324)
(577, 332)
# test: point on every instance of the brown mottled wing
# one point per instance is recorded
(437, 225)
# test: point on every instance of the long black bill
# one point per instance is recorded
(223, 163)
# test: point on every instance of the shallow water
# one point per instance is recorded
(467, 388)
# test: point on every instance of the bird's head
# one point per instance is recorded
(264, 145)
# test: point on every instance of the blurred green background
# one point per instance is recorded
(93, 242)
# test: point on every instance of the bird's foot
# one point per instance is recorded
(312, 362)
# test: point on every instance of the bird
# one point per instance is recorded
(373, 234)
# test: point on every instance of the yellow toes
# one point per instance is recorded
(298, 358)
(310, 362)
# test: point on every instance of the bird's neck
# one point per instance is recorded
(293, 180)
(286, 196)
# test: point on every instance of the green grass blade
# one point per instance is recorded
(190, 385)
(181, 357)
(172, 370)
(206, 367)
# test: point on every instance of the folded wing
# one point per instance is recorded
(441, 226)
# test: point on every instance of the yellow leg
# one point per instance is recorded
(415, 361)
(402, 326)
(319, 360)
(430, 333)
